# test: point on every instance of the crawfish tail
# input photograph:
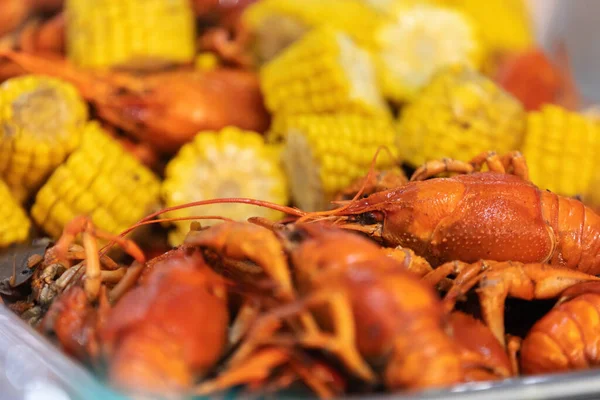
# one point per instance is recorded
(564, 339)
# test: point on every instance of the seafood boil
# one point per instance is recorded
(281, 197)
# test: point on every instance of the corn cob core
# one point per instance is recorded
(561, 148)
(279, 23)
(323, 154)
(422, 40)
(14, 223)
(228, 163)
(459, 115)
(507, 23)
(41, 119)
(132, 33)
(99, 179)
(323, 72)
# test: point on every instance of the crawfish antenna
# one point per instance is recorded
(358, 194)
(149, 219)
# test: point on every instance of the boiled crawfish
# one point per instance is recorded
(495, 215)
(164, 109)
(136, 336)
(345, 278)
(567, 337)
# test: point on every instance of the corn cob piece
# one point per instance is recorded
(42, 119)
(279, 23)
(323, 72)
(130, 33)
(324, 154)
(458, 115)
(507, 23)
(561, 149)
(228, 163)
(99, 179)
(14, 223)
(422, 40)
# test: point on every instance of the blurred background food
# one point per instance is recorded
(281, 100)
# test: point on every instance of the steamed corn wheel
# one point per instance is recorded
(561, 148)
(101, 180)
(421, 40)
(459, 115)
(323, 154)
(507, 26)
(229, 163)
(14, 223)
(42, 119)
(134, 33)
(279, 23)
(323, 72)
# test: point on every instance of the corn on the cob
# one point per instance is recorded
(42, 119)
(422, 40)
(279, 23)
(99, 179)
(14, 223)
(228, 163)
(323, 72)
(561, 149)
(323, 154)
(507, 23)
(459, 114)
(132, 33)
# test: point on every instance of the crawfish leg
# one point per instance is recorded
(515, 162)
(260, 245)
(247, 314)
(435, 167)
(502, 279)
(340, 343)
(255, 368)
(410, 261)
(512, 163)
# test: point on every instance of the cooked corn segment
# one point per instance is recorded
(279, 23)
(14, 223)
(99, 179)
(324, 154)
(323, 72)
(561, 148)
(507, 23)
(228, 163)
(421, 40)
(459, 114)
(42, 119)
(132, 33)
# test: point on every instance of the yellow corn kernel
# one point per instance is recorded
(323, 154)
(279, 23)
(421, 40)
(130, 33)
(14, 223)
(228, 163)
(507, 24)
(561, 149)
(459, 115)
(323, 72)
(101, 180)
(42, 119)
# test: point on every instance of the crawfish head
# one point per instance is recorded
(16, 266)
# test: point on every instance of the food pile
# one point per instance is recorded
(346, 196)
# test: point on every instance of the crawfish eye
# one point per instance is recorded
(370, 218)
